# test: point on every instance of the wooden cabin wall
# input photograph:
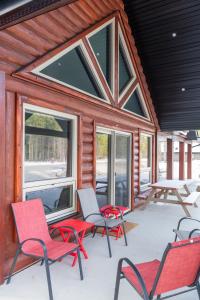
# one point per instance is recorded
(22, 44)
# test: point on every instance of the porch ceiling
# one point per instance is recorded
(168, 41)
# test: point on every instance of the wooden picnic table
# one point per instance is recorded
(170, 187)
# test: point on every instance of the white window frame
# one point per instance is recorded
(129, 63)
(37, 70)
(144, 186)
(142, 102)
(58, 182)
(113, 134)
(112, 54)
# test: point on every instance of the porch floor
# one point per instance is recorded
(147, 241)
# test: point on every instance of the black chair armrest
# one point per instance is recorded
(41, 242)
(194, 230)
(186, 219)
(137, 274)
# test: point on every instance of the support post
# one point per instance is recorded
(181, 160)
(2, 172)
(189, 162)
(169, 159)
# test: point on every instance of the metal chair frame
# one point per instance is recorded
(120, 275)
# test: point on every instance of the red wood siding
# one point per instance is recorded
(24, 43)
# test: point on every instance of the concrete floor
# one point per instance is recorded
(147, 241)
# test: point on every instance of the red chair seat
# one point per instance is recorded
(55, 249)
(148, 271)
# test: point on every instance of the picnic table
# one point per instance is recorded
(171, 187)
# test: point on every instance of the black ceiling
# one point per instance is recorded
(171, 64)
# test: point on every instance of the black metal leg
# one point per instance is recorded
(198, 289)
(158, 297)
(13, 265)
(108, 241)
(48, 278)
(42, 262)
(125, 238)
(80, 264)
(95, 230)
(117, 283)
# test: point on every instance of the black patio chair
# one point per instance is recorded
(90, 210)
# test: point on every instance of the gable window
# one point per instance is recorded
(50, 159)
(97, 65)
(145, 160)
(135, 104)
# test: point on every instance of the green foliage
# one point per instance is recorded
(102, 145)
(43, 121)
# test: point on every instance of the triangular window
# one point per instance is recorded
(126, 70)
(71, 67)
(102, 45)
(136, 104)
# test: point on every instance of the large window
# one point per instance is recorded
(162, 158)
(145, 160)
(50, 159)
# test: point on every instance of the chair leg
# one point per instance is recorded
(13, 265)
(80, 264)
(117, 283)
(94, 232)
(125, 238)
(48, 278)
(158, 297)
(198, 289)
(108, 241)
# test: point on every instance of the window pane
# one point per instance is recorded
(101, 44)
(47, 147)
(124, 70)
(73, 69)
(145, 159)
(54, 199)
(134, 104)
(103, 163)
(122, 170)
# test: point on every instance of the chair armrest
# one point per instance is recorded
(137, 274)
(72, 229)
(186, 219)
(41, 242)
(194, 230)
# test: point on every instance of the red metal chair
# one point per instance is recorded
(35, 241)
(179, 267)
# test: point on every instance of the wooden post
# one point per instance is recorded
(181, 160)
(2, 172)
(189, 162)
(169, 159)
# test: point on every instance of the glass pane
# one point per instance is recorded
(134, 104)
(196, 160)
(103, 168)
(122, 170)
(73, 69)
(176, 161)
(145, 160)
(54, 199)
(162, 159)
(47, 147)
(101, 44)
(124, 71)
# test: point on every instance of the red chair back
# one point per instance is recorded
(30, 220)
(179, 267)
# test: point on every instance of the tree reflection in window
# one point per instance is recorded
(47, 147)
